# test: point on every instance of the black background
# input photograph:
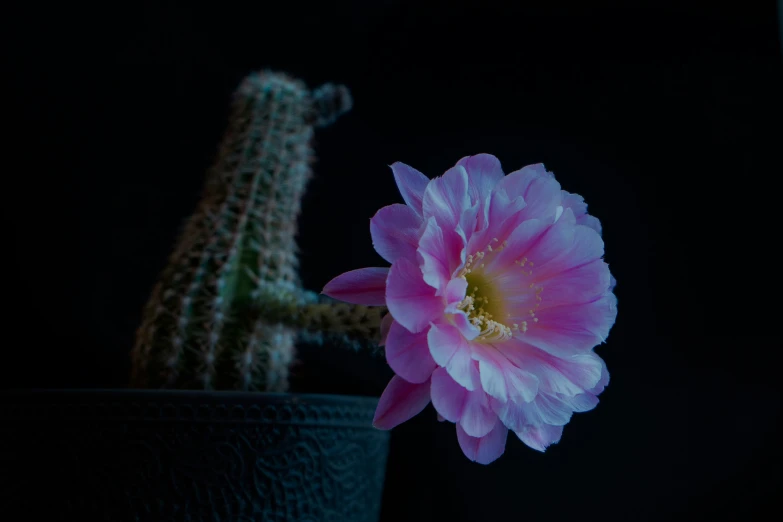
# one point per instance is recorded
(666, 118)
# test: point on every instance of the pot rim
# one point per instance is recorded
(198, 394)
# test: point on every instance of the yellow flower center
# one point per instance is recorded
(484, 304)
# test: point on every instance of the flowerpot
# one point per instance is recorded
(155, 455)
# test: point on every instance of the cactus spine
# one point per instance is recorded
(214, 319)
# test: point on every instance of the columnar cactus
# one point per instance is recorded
(228, 307)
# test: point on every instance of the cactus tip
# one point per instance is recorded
(330, 101)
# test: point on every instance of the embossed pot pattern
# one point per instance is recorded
(147, 455)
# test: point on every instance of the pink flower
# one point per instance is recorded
(497, 294)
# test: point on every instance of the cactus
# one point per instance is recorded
(229, 306)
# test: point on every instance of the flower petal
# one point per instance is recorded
(501, 217)
(586, 246)
(400, 402)
(411, 301)
(491, 372)
(395, 232)
(460, 320)
(408, 354)
(411, 183)
(522, 385)
(568, 376)
(486, 449)
(464, 369)
(444, 341)
(484, 172)
(576, 285)
(477, 418)
(539, 188)
(591, 222)
(581, 403)
(520, 241)
(500, 378)
(446, 197)
(455, 292)
(365, 286)
(549, 409)
(482, 221)
(386, 323)
(535, 244)
(468, 223)
(441, 252)
(603, 382)
(557, 239)
(448, 397)
(577, 204)
(567, 330)
(452, 351)
(544, 409)
(540, 437)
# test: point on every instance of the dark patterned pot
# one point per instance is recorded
(161, 456)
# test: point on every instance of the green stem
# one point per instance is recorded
(318, 317)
